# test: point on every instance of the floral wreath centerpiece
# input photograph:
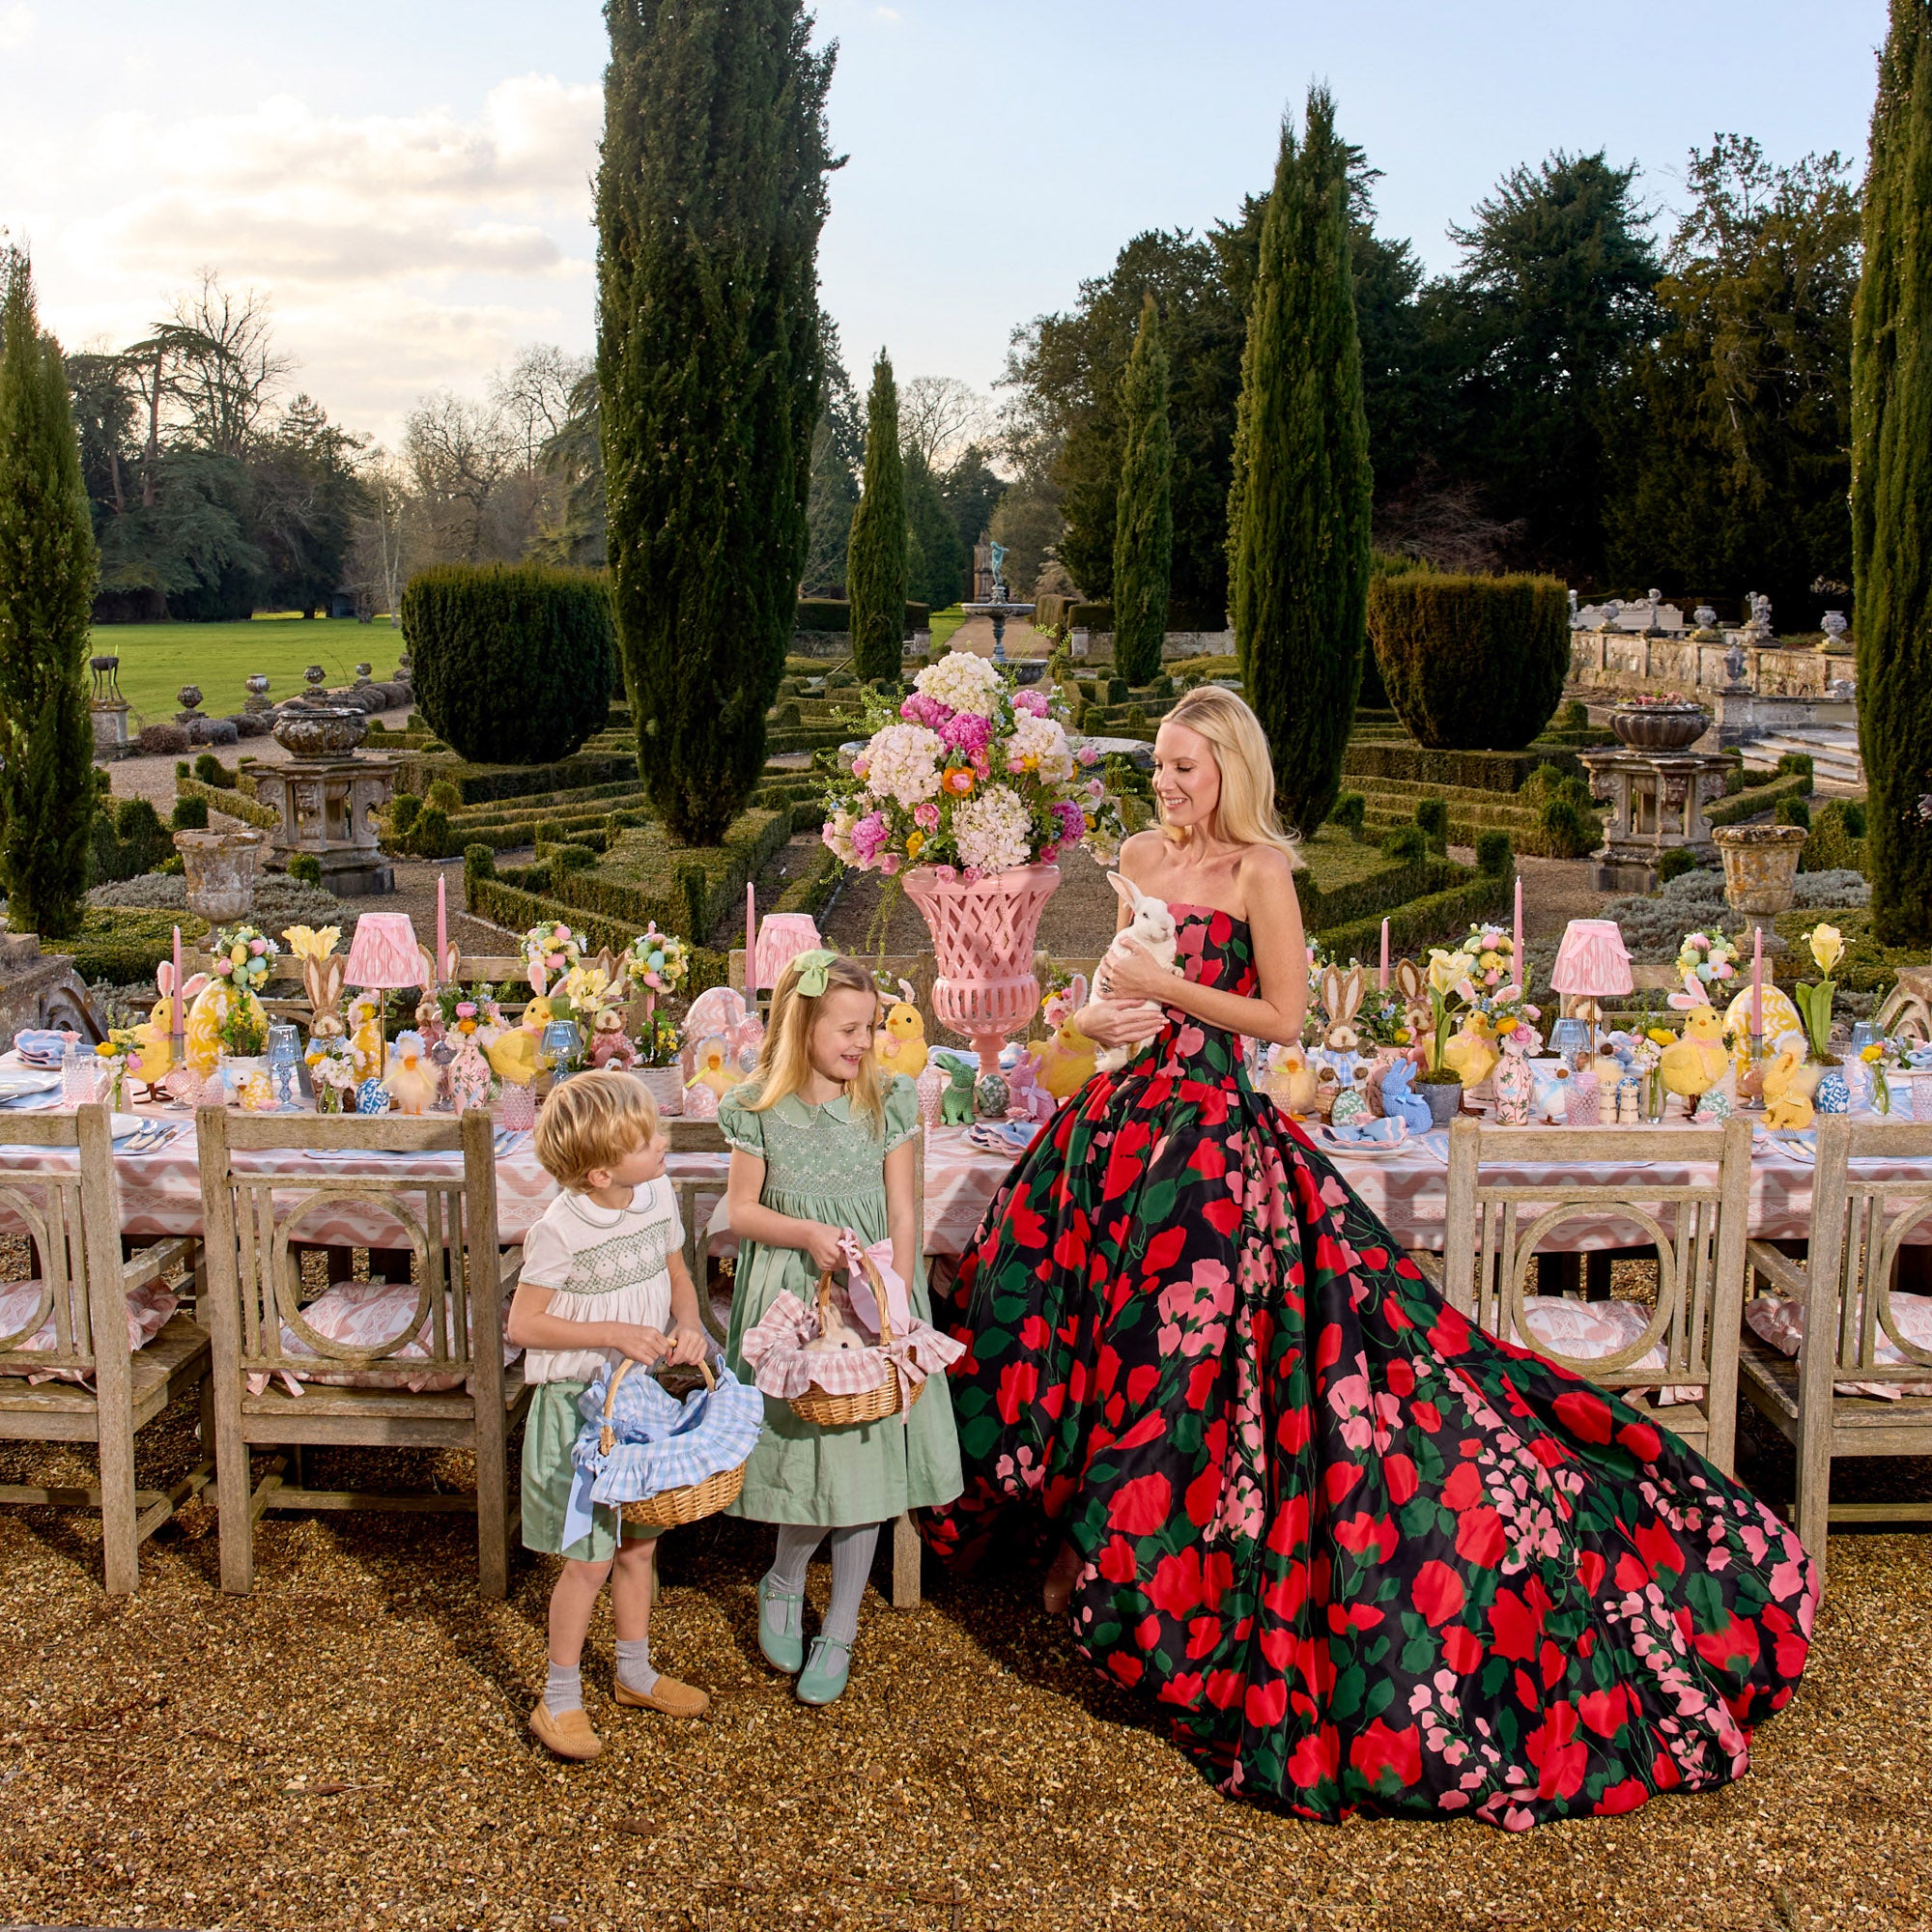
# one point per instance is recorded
(967, 792)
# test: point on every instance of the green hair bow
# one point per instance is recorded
(810, 969)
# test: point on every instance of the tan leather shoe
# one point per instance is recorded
(673, 1698)
(568, 1734)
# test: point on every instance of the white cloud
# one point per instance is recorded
(16, 26)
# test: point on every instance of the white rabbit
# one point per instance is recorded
(1152, 927)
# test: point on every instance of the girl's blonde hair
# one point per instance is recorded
(785, 1060)
(1244, 814)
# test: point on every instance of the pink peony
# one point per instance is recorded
(1032, 700)
(920, 709)
(947, 872)
(1048, 854)
(967, 733)
(925, 815)
(1088, 755)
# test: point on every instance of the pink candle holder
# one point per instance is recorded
(519, 1109)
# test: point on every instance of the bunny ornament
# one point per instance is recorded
(1152, 926)
(1341, 995)
(156, 1034)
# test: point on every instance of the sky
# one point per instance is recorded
(407, 181)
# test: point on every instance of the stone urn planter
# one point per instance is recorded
(1760, 873)
(320, 731)
(221, 869)
(1659, 727)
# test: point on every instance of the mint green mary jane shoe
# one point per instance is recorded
(822, 1681)
(780, 1627)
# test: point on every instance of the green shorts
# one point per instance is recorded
(551, 1430)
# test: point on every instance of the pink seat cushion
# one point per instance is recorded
(364, 1315)
(150, 1307)
(1782, 1324)
(1590, 1331)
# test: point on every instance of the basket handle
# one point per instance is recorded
(607, 1440)
(874, 1283)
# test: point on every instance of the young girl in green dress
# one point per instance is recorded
(822, 1142)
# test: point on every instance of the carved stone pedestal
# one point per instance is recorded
(1656, 805)
(40, 989)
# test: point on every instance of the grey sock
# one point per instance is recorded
(797, 1544)
(852, 1552)
(634, 1665)
(564, 1692)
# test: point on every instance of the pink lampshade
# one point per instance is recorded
(1591, 961)
(383, 954)
(781, 938)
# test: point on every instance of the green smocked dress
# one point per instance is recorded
(823, 1165)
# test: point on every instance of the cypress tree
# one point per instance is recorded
(1299, 511)
(48, 563)
(710, 198)
(875, 561)
(1144, 512)
(1891, 481)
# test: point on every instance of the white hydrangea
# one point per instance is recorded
(992, 830)
(963, 682)
(838, 835)
(1042, 741)
(902, 763)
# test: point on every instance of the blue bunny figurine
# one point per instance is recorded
(1398, 1102)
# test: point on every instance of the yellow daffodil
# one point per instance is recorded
(1828, 946)
(308, 942)
(1662, 1036)
(914, 844)
(1446, 969)
(1873, 1053)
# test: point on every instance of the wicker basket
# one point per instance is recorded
(895, 1394)
(689, 1502)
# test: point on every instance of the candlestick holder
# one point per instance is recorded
(1750, 1082)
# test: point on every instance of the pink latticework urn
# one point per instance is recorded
(983, 935)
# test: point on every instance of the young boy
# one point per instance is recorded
(603, 1278)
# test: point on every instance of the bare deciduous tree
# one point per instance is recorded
(938, 416)
(222, 366)
(459, 454)
(533, 397)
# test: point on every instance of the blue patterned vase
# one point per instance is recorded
(1833, 1096)
(372, 1096)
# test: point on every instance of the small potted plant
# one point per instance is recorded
(1452, 991)
(332, 1072)
(655, 963)
(1830, 1094)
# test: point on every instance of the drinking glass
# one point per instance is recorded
(79, 1072)
(519, 1113)
(284, 1066)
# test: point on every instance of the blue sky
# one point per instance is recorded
(409, 181)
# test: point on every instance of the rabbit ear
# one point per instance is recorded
(197, 984)
(907, 994)
(1331, 991)
(1130, 891)
(1355, 985)
(164, 978)
(1692, 995)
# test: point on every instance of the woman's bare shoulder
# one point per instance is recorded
(1264, 870)
(1140, 853)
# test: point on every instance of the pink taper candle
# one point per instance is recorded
(1385, 956)
(1757, 980)
(1516, 958)
(176, 998)
(441, 925)
(751, 939)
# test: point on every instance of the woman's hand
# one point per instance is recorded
(1131, 973)
(1117, 1023)
(825, 1245)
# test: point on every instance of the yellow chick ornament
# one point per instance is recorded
(1471, 1055)
(365, 1035)
(412, 1076)
(900, 1047)
(1692, 1066)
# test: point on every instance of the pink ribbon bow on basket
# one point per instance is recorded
(864, 1304)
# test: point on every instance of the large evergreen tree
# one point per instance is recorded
(1892, 481)
(875, 564)
(48, 563)
(935, 558)
(1144, 519)
(710, 198)
(1299, 512)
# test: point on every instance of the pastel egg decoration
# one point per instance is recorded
(1350, 1107)
(991, 1098)
(1716, 1105)
(372, 1096)
(1833, 1094)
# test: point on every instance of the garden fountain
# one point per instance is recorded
(999, 607)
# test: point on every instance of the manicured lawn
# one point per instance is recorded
(158, 659)
(943, 623)
(1334, 860)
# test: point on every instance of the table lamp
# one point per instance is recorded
(1591, 964)
(384, 956)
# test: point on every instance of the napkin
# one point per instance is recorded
(1378, 1132)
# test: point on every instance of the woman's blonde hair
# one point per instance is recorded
(1244, 814)
(592, 1121)
(785, 1060)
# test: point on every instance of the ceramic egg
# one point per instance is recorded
(1349, 1106)
(372, 1096)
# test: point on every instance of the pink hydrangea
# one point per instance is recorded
(1031, 700)
(920, 709)
(967, 733)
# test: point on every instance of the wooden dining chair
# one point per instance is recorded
(1685, 1338)
(257, 1221)
(97, 1389)
(1841, 1399)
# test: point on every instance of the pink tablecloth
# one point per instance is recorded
(160, 1193)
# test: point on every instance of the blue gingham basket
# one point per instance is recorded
(660, 1461)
